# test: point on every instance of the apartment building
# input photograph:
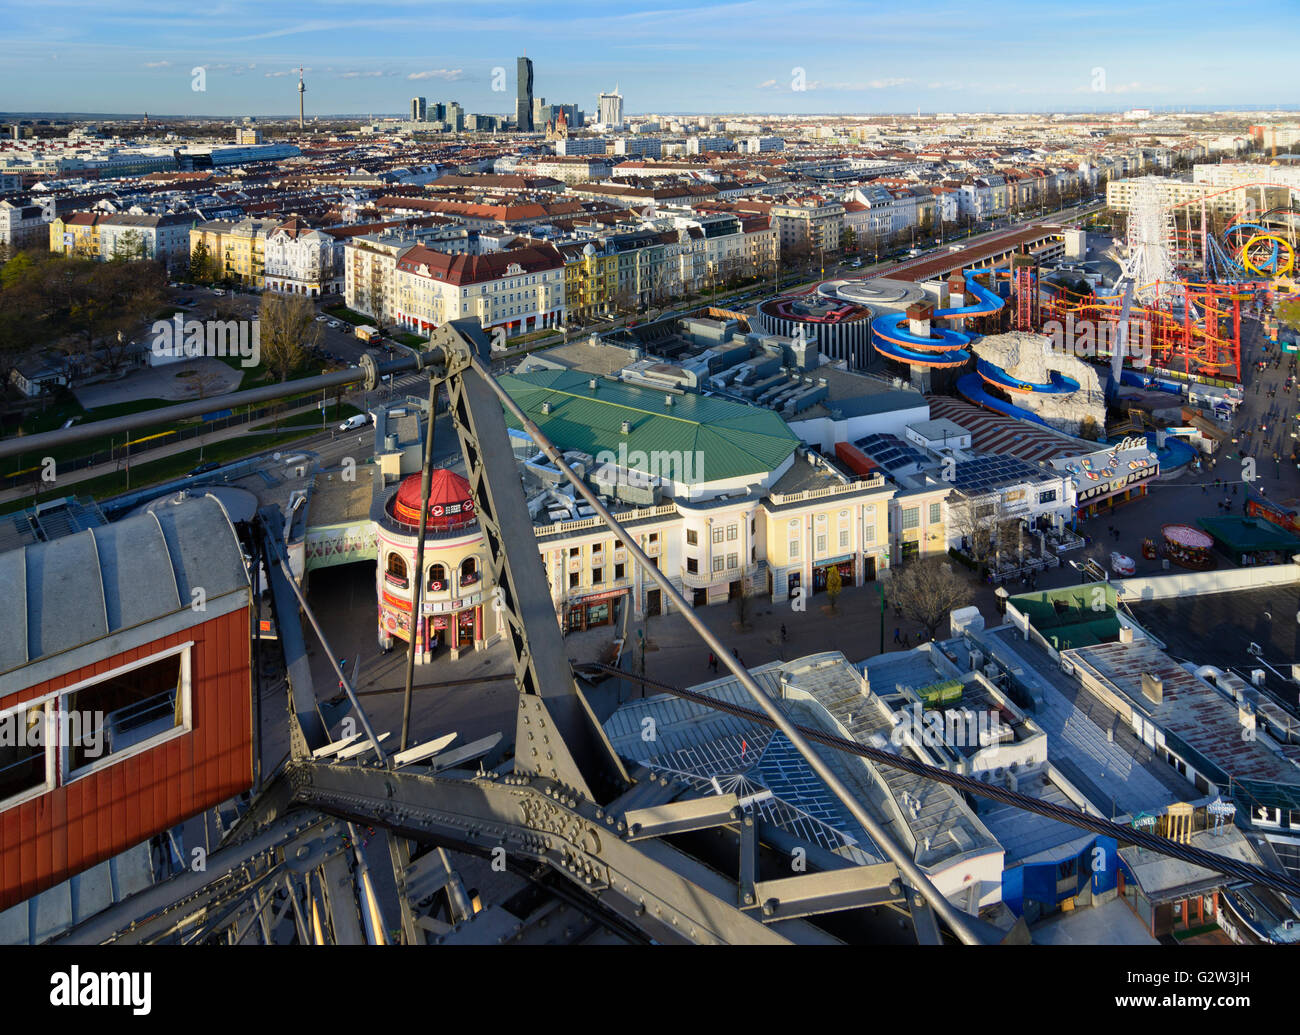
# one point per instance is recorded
(519, 289)
(163, 238)
(22, 225)
(814, 223)
(237, 249)
(78, 235)
(369, 262)
(1217, 199)
(303, 261)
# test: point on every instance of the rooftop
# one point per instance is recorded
(1190, 710)
(86, 586)
(735, 441)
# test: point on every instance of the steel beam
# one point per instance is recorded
(829, 891)
(679, 817)
(557, 735)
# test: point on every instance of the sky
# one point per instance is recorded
(793, 56)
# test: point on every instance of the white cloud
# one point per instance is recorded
(449, 74)
(157, 64)
(873, 84)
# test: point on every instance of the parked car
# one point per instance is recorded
(204, 468)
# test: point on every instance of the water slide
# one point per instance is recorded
(971, 388)
(943, 348)
(1057, 384)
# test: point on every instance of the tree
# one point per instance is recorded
(833, 586)
(287, 326)
(1288, 314)
(742, 604)
(976, 531)
(130, 245)
(849, 241)
(927, 590)
(1089, 428)
(203, 268)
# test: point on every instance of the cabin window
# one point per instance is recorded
(24, 769)
(123, 711)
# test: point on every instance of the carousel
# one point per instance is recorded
(1187, 547)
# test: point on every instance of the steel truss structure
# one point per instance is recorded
(639, 854)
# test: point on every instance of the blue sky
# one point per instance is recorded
(666, 55)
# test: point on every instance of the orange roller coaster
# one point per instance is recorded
(1175, 341)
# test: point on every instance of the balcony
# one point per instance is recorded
(705, 579)
(396, 581)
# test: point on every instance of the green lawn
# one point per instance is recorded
(156, 471)
(342, 312)
(413, 341)
(54, 418)
(312, 418)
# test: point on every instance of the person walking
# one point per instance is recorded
(783, 635)
(713, 661)
(898, 635)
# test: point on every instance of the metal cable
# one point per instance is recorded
(1153, 842)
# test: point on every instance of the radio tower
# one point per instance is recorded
(301, 90)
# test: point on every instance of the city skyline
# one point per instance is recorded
(798, 58)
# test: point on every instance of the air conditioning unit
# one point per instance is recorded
(1257, 676)
(991, 671)
(976, 660)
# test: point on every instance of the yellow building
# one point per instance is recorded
(590, 281)
(77, 235)
(806, 534)
(236, 250)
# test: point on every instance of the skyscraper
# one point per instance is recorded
(419, 108)
(609, 108)
(524, 96)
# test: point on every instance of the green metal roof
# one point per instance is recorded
(1244, 535)
(732, 439)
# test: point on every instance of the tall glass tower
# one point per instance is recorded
(524, 96)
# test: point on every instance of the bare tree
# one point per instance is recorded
(976, 524)
(288, 327)
(927, 590)
(742, 604)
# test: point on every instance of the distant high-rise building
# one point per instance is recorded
(609, 107)
(524, 96)
(455, 116)
(438, 113)
(419, 109)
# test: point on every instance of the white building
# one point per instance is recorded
(303, 261)
(519, 290)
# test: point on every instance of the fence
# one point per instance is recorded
(25, 476)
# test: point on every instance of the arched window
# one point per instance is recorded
(469, 571)
(395, 572)
(437, 578)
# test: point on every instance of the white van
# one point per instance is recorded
(352, 423)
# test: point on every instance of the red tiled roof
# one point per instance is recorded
(478, 269)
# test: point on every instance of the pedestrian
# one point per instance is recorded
(907, 639)
(713, 661)
(1205, 489)
(898, 635)
(783, 636)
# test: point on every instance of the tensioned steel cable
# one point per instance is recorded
(1153, 842)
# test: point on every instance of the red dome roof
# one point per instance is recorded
(450, 505)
